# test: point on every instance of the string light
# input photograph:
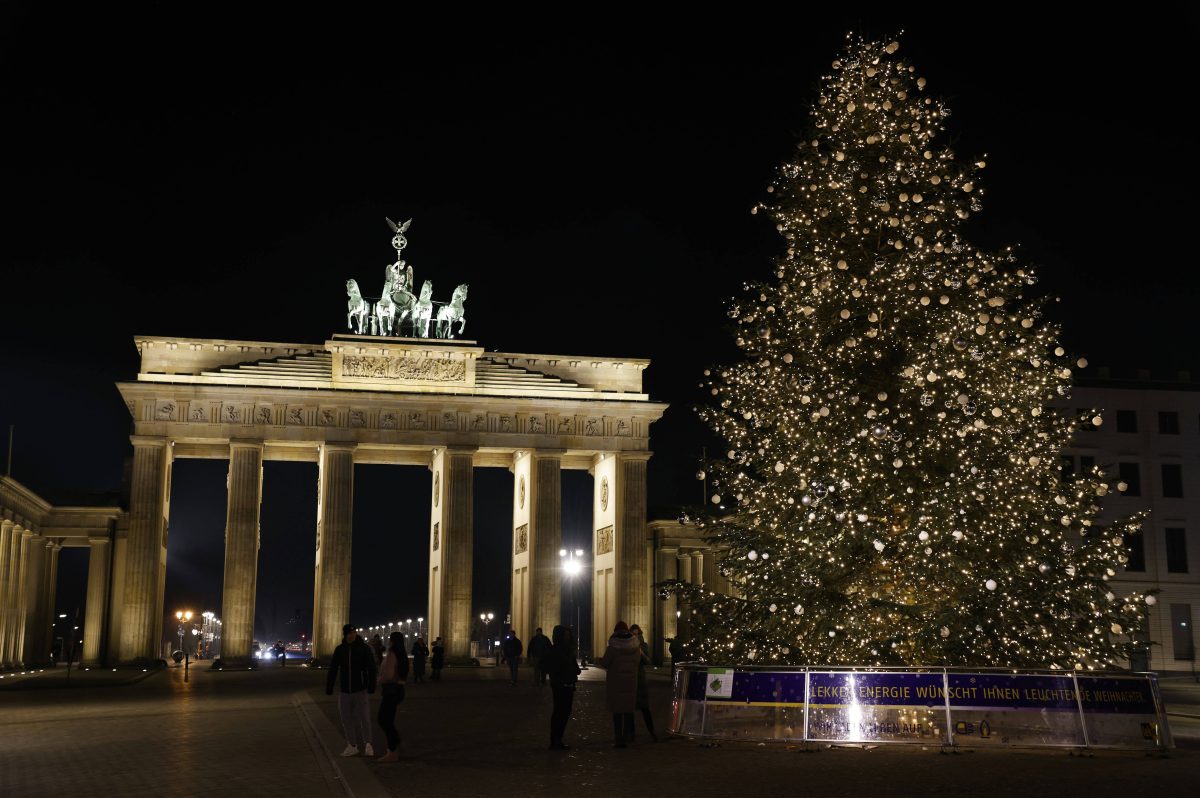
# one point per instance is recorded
(892, 470)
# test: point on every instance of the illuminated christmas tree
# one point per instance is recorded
(892, 490)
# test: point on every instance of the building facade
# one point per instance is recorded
(1149, 438)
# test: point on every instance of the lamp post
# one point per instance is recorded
(572, 567)
(421, 628)
(184, 616)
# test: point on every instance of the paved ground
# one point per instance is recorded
(271, 732)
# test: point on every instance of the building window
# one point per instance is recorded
(1168, 422)
(1181, 632)
(1176, 551)
(1126, 421)
(1068, 467)
(1135, 548)
(1132, 478)
(1172, 481)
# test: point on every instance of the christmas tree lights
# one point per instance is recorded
(892, 493)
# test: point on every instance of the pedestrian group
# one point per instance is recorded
(359, 666)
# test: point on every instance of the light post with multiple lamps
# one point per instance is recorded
(485, 619)
(572, 568)
(184, 617)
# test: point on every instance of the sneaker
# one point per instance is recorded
(351, 750)
(369, 751)
(390, 756)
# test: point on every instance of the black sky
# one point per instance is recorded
(208, 173)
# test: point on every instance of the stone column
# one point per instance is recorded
(437, 508)
(458, 540)
(667, 619)
(698, 567)
(50, 594)
(14, 637)
(545, 541)
(335, 524)
(28, 642)
(244, 486)
(148, 506)
(96, 612)
(116, 590)
(6, 535)
(683, 566)
(633, 569)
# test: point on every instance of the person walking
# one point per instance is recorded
(353, 667)
(391, 683)
(419, 652)
(512, 649)
(438, 660)
(621, 659)
(559, 664)
(643, 693)
(539, 647)
(377, 649)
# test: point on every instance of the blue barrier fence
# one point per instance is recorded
(947, 706)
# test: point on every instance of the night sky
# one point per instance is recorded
(222, 176)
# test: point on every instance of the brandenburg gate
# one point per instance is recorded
(437, 402)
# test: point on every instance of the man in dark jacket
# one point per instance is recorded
(559, 663)
(539, 647)
(354, 662)
(512, 648)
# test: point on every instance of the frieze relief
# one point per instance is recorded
(594, 426)
(506, 424)
(198, 414)
(263, 415)
(522, 539)
(166, 411)
(604, 540)
(230, 414)
(537, 425)
(295, 415)
(358, 418)
(328, 417)
(449, 420)
(387, 421)
(404, 368)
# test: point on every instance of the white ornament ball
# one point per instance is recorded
(990, 584)
(1043, 568)
(798, 609)
(1151, 601)
(716, 499)
(787, 358)
(945, 631)
(923, 536)
(700, 474)
(958, 535)
(897, 463)
(878, 544)
(1116, 628)
(779, 467)
(772, 608)
(752, 555)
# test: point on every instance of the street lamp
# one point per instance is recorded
(183, 616)
(421, 628)
(572, 568)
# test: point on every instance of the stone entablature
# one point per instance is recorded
(354, 362)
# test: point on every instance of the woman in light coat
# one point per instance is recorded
(621, 660)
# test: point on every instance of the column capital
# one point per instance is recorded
(337, 446)
(547, 454)
(7, 524)
(628, 457)
(245, 443)
(148, 440)
(96, 542)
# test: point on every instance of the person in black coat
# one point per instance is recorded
(559, 664)
(438, 661)
(512, 648)
(353, 668)
(420, 652)
(539, 646)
